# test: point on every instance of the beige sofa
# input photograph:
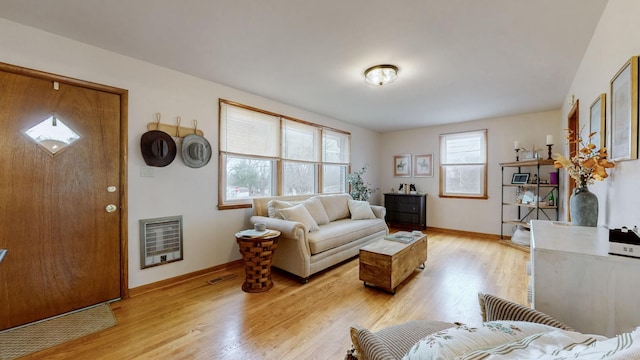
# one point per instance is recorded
(338, 229)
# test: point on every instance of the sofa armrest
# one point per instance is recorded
(293, 253)
(288, 229)
(379, 211)
(494, 308)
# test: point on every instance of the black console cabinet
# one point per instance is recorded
(406, 210)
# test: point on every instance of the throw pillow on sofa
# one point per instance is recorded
(463, 339)
(335, 205)
(393, 342)
(274, 207)
(515, 340)
(360, 210)
(315, 208)
(494, 308)
(300, 214)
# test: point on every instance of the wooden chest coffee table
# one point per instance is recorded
(387, 263)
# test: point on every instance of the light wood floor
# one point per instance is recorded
(196, 320)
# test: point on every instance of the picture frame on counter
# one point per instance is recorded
(520, 178)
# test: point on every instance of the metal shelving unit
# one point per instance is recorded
(539, 208)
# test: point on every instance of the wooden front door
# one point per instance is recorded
(63, 246)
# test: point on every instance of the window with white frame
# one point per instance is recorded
(463, 164)
(266, 154)
(336, 155)
(300, 158)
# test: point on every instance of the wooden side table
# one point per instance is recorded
(257, 253)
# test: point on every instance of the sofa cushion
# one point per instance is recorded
(300, 214)
(360, 210)
(336, 205)
(340, 232)
(315, 208)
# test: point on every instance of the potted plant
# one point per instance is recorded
(359, 189)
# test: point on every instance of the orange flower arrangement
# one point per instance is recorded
(588, 164)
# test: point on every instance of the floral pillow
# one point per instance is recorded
(459, 340)
(561, 344)
(523, 340)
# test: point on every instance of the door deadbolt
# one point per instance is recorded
(111, 208)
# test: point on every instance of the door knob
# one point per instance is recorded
(111, 208)
(3, 252)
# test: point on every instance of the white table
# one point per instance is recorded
(575, 280)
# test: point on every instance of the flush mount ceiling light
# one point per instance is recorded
(381, 75)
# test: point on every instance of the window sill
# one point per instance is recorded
(234, 206)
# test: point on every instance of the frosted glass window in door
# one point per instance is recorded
(52, 134)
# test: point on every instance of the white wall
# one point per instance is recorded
(175, 189)
(474, 215)
(614, 42)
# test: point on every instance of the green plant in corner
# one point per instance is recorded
(360, 190)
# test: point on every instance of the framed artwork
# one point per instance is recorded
(402, 165)
(423, 165)
(623, 144)
(597, 121)
(520, 178)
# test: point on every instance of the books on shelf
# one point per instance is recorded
(401, 236)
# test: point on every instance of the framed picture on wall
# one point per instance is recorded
(597, 123)
(402, 165)
(423, 165)
(623, 144)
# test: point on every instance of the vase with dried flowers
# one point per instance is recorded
(587, 166)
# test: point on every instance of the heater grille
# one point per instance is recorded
(160, 241)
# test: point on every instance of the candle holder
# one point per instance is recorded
(549, 146)
(517, 156)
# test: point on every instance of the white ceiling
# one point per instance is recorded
(459, 60)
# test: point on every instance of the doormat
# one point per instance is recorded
(24, 340)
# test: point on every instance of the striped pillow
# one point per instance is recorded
(494, 308)
(368, 346)
(393, 342)
(455, 342)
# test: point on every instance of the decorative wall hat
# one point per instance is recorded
(158, 148)
(196, 151)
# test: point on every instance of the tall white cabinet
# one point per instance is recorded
(575, 280)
